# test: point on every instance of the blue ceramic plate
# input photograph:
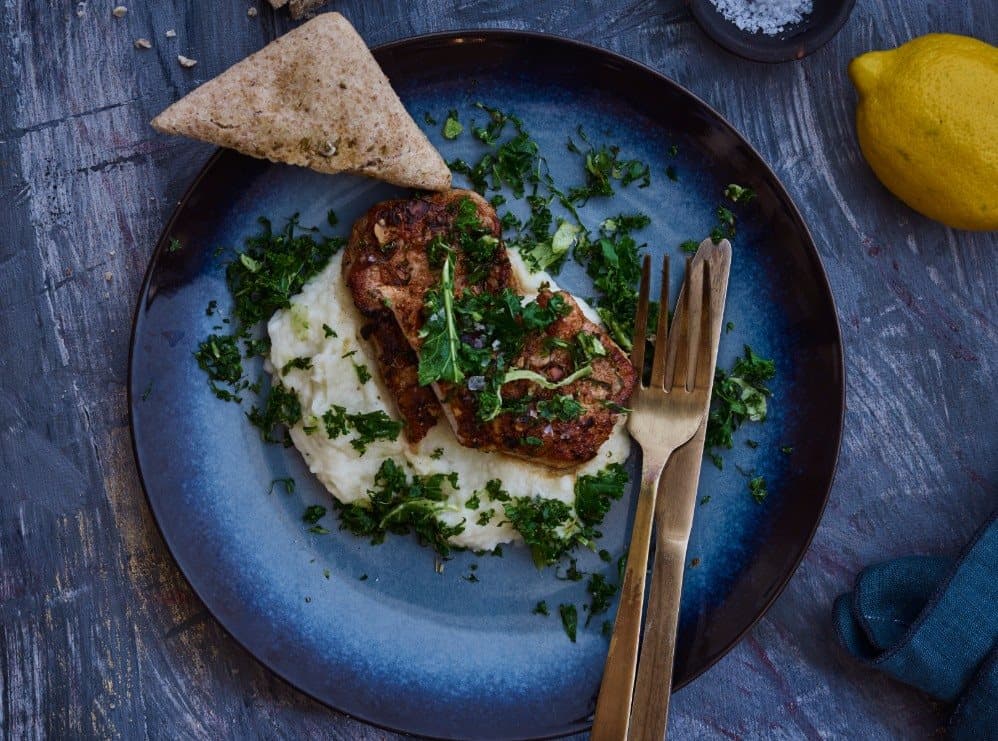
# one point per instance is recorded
(437, 654)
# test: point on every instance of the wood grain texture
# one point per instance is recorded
(100, 635)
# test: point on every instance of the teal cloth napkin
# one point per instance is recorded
(932, 622)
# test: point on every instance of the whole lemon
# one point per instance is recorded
(928, 125)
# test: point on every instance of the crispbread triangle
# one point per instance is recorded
(314, 97)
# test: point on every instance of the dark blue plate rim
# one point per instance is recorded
(601, 57)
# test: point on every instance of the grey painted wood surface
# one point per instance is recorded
(100, 635)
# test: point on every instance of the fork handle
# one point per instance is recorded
(654, 686)
(613, 705)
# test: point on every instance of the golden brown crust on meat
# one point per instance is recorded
(526, 433)
(388, 271)
(398, 364)
(386, 263)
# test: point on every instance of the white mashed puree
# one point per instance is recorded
(333, 380)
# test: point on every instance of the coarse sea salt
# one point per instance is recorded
(766, 16)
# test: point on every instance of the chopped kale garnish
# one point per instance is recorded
(595, 493)
(560, 407)
(281, 409)
(219, 357)
(288, 484)
(739, 395)
(438, 357)
(485, 517)
(726, 224)
(569, 620)
(603, 165)
(690, 246)
(313, 513)
(328, 331)
(572, 573)
(372, 426)
(335, 421)
(601, 593)
(757, 488)
(547, 525)
(274, 267)
(548, 252)
(363, 374)
(540, 522)
(738, 194)
(495, 492)
(296, 364)
(398, 504)
(452, 126)
(612, 260)
(541, 608)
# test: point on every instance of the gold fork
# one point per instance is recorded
(665, 414)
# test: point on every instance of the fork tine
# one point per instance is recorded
(661, 330)
(694, 312)
(703, 379)
(679, 358)
(641, 320)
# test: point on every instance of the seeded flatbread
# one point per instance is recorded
(314, 97)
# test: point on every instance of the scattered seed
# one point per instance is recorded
(143, 44)
(119, 11)
(171, 33)
(251, 12)
(186, 61)
(108, 276)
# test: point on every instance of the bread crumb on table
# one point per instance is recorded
(170, 34)
(186, 61)
(143, 44)
(119, 11)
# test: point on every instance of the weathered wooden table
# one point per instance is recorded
(100, 635)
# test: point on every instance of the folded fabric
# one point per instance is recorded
(932, 622)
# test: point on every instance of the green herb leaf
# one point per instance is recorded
(560, 407)
(452, 126)
(313, 513)
(296, 364)
(397, 504)
(363, 374)
(287, 483)
(738, 396)
(372, 426)
(601, 593)
(738, 194)
(569, 620)
(281, 409)
(757, 488)
(438, 357)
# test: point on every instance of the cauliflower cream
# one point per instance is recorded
(323, 324)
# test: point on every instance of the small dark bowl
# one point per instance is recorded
(794, 42)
